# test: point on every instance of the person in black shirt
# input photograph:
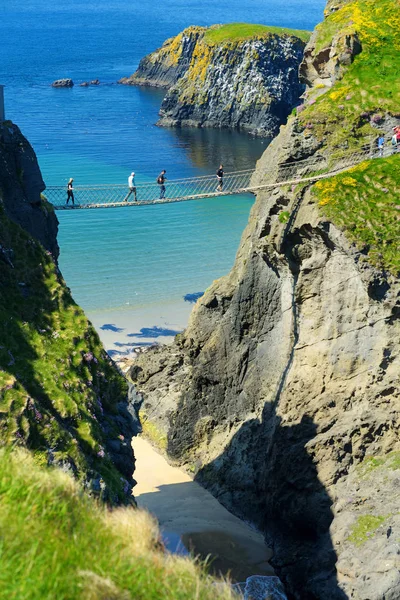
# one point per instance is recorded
(220, 177)
(70, 191)
(161, 182)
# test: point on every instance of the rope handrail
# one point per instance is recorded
(207, 186)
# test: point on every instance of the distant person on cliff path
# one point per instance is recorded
(161, 179)
(70, 191)
(220, 177)
(132, 187)
(381, 145)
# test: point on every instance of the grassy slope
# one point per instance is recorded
(232, 32)
(58, 544)
(371, 85)
(56, 382)
(366, 202)
(346, 117)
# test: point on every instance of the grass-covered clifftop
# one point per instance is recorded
(353, 63)
(365, 201)
(60, 396)
(58, 544)
(369, 88)
(234, 32)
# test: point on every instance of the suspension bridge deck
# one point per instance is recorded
(199, 188)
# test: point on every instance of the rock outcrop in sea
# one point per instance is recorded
(60, 395)
(217, 77)
(283, 395)
(63, 83)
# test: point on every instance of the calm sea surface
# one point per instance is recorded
(116, 258)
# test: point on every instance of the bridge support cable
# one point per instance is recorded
(195, 188)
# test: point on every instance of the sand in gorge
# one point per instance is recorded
(192, 519)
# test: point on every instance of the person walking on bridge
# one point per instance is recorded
(161, 179)
(70, 191)
(220, 177)
(132, 187)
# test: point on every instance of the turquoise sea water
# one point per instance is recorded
(116, 258)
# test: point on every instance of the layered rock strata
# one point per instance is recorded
(248, 84)
(282, 395)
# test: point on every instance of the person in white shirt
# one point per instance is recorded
(132, 187)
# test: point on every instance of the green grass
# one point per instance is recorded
(58, 544)
(58, 389)
(364, 528)
(153, 433)
(370, 86)
(233, 32)
(390, 461)
(364, 201)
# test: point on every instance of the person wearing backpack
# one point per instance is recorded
(161, 179)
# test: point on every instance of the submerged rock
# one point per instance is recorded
(248, 83)
(261, 588)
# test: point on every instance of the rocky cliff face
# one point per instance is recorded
(250, 83)
(21, 186)
(282, 395)
(60, 396)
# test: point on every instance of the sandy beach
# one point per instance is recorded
(192, 519)
(121, 331)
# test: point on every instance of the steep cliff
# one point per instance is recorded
(282, 396)
(60, 396)
(233, 76)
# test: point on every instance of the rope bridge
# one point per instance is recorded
(196, 188)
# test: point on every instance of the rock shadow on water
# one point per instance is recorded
(111, 327)
(154, 332)
(281, 492)
(134, 344)
(192, 298)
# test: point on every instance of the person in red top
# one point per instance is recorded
(396, 139)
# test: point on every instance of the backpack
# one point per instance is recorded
(160, 179)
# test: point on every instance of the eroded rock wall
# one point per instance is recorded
(21, 185)
(283, 395)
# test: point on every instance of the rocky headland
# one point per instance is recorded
(232, 76)
(283, 396)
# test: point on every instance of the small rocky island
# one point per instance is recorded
(230, 76)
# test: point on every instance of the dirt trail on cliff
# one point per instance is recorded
(191, 518)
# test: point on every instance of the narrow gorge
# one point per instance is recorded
(282, 395)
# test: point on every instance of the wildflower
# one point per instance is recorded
(88, 356)
(101, 453)
(38, 416)
(121, 437)
(55, 335)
